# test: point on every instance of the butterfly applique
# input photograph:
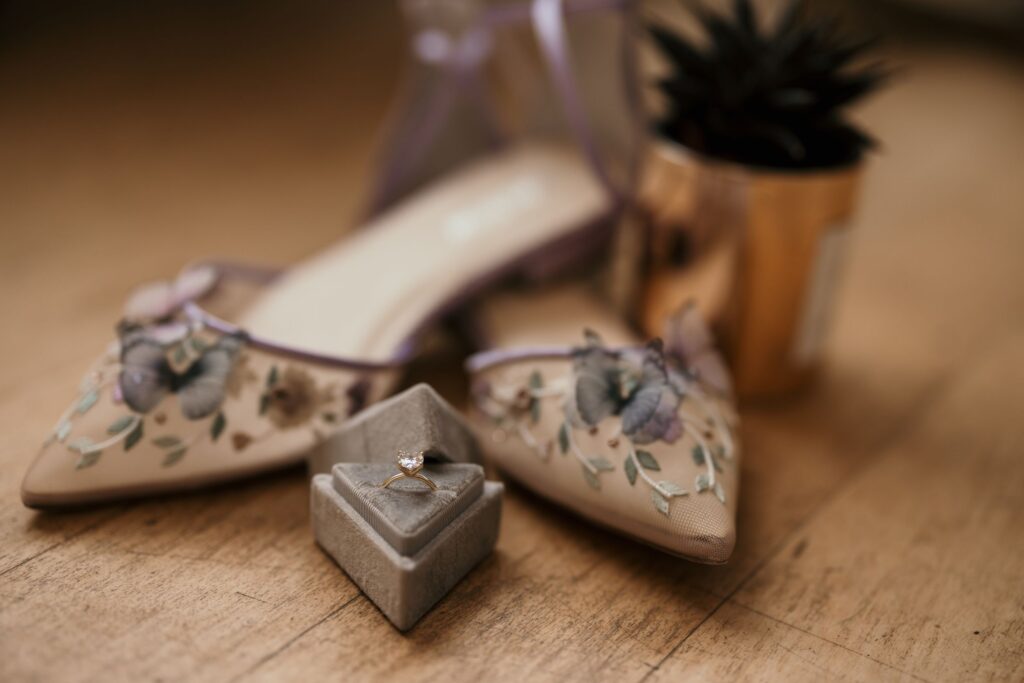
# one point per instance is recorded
(689, 342)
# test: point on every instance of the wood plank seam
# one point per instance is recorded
(333, 613)
(87, 528)
(887, 665)
(253, 597)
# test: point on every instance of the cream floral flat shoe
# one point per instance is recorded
(638, 438)
(183, 399)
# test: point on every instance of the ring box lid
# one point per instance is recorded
(407, 514)
(416, 420)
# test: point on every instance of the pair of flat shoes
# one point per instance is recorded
(639, 438)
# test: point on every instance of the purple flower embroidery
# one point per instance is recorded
(614, 383)
(147, 376)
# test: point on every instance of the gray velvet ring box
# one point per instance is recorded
(405, 546)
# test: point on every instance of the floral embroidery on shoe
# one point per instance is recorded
(161, 357)
(657, 394)
(607, 384)
(292, 399)
(148, 375)
(242, 375)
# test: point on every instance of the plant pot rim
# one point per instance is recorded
(684, 152)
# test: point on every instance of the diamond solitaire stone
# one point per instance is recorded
(410, 463)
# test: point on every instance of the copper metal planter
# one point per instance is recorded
(759, 249)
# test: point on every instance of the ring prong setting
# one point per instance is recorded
(409, 466)
(410, 463)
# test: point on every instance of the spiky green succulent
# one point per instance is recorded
(766, 97)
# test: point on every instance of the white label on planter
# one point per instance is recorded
(820, 297)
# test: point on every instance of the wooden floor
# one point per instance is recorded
(881, 527)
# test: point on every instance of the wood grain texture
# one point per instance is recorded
(880, 513)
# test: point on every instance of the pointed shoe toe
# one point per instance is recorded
(154, 416)
(623, 437)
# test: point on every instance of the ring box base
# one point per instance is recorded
(405, 547)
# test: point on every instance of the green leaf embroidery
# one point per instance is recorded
(218, 425)
(167, 441)
(701, 483)
(87, 401)
(272, 376)
(264, 403)
(698, 455)
(534, 410)
(601, 464)
(591, 478)
(88, 459)
(63, 429)
(630, 467)
(174, 456)
(120, 424)
(671, 488)
(133, 437)
(536, 381)
(647, 460)
(563, 438)
(660, 502)
(718, 467)
(720, 493)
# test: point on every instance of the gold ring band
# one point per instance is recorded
(401, 475)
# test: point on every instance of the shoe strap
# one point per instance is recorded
(229, 270)
(548, 17)
(462, 59)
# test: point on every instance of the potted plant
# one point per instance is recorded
(750, 181)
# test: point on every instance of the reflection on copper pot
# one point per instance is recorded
(759, 250)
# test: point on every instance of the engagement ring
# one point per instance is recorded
(410, 465)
